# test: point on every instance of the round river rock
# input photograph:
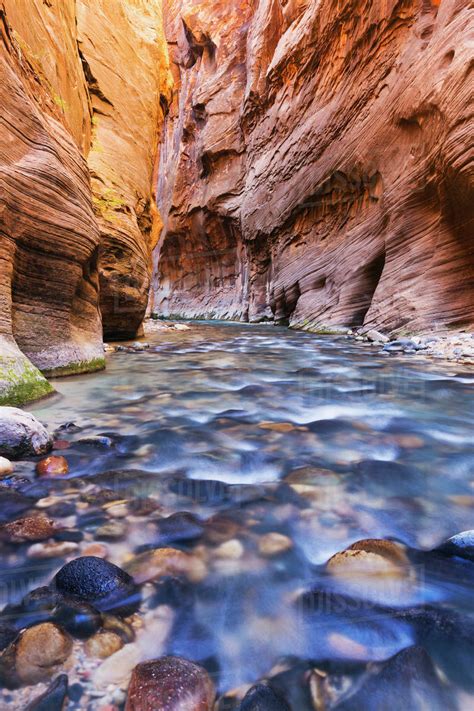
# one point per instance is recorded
(104, 585)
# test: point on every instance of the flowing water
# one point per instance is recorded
(258, 430)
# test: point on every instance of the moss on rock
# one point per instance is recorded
(21, 382)
(78, 368)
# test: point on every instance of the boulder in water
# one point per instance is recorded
(406, 681)
(21, 434)
(460, 545)
(35, 656)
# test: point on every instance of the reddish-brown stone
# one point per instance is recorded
(317, 163)
(52, 467)
(170, 684)
(30, 528)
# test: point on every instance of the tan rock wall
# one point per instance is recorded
(48, 234)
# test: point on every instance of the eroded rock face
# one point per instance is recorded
(125, 63)
(316, 163)
(68, 116)
(48, 234)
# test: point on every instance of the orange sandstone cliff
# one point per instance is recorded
(317, 163)
(80, 118)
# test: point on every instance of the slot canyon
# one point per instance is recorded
(237, 304)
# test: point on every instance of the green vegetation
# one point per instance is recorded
(107, 204)
(21, 382)
(36, 64)
(83, 366)
(319, 329)
(60, 102)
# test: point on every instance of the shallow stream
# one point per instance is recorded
(257, 431)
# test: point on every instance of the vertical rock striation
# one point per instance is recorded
(317, 163)
(80, 99)
(124, 56)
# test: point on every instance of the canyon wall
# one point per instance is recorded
(80, 104)
(317, 163)
(123, 51)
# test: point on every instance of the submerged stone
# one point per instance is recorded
(30, 528)
(52, 467)
(263, 698)
(162, 562)
(79, 618)
(53, 698)
(406, 681)
(179, 527)
(13, 504)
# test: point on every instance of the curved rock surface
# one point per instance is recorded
(62, 102)
(125, 61)
(317, 163)
(48, 234)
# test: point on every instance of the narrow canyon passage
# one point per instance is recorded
(236, 355)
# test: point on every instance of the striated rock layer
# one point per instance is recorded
(317, 163)
(125, 60)
(49, 237)
(79, 81)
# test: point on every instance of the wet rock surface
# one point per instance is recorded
(263, 698)
(170, 684)
(32, 528)
(22, 434)
(408, 680)
(100, 583)
(37, 654)
(52, 467)
(53, 698)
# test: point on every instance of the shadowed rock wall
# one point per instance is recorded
(318, 163)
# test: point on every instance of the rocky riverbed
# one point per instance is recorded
(241, 518)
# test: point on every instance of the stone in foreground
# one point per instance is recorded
(37, 654)
(53, 698)
(170, 684)
(263, 698)
(21, 434)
